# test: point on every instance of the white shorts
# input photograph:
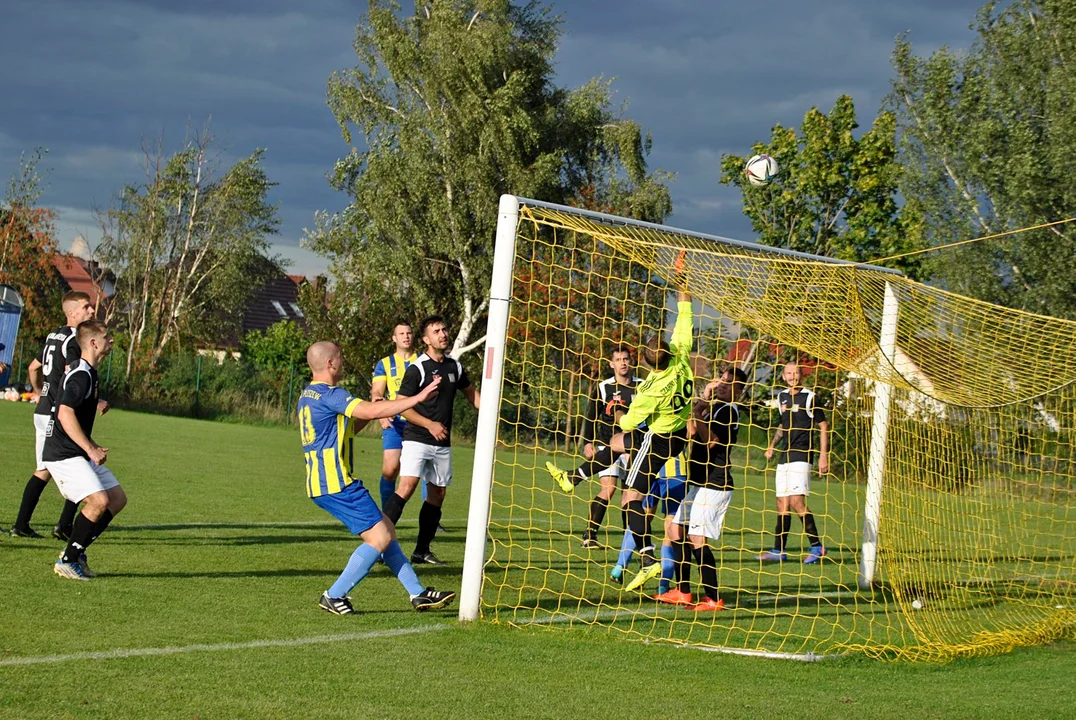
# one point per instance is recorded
(41, 426)
(77, 478)
(704, 509)
(426, 462)
(793, 478)
(618, 469)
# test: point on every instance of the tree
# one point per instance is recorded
(988, 136)
(277, 351)
(456, 105)
(278, 348)
(835, 195)
(188, 246)
(27, 244)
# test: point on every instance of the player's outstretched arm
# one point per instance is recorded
(682, 294)
(388, 408)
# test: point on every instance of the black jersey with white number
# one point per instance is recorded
(799, 417)
(439, 408)
(79, 392)
(59, 353)
(608, 398)
(709, 463)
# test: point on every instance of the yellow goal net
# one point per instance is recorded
(948, 509)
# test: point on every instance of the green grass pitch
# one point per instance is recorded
(206, 608)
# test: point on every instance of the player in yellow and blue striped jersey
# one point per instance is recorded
(329, 417)
(667, 491)
(388, 374)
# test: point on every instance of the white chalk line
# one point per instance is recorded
(660, 612)
(219, 647)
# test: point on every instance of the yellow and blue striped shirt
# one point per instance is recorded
(676, 467)
(327, 432)
(391, 370)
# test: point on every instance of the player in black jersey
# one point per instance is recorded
(427, 437)
(74, 460)
(608, 402)
(715, 424)
(799, 418)
(59, 352)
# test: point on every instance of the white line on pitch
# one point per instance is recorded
(602, 614)
(293, 642)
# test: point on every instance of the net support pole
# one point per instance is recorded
(500, 292)
(883, 396)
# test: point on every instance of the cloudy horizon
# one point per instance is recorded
(92, 81)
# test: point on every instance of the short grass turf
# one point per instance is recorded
(221, 556)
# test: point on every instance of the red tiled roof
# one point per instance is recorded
(297, 279)
(76, 277)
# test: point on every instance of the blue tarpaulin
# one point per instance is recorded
(10, 314)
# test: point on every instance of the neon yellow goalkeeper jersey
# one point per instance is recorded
(663, 401)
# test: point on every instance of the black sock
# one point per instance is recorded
(682, 558)
(394, 507)
(597, 513)
(780, 539)
(704, 556)
(81, 535)
(428, 518)
(31, 494)
(67, 516)
(811, 530)
(637, 527)
(99, 527)
(602, 459)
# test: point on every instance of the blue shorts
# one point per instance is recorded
(352, 506)
(670, 491)
(392, 437)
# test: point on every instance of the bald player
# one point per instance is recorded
(329, 417)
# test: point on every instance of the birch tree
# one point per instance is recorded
(447, 109)
(188, 246)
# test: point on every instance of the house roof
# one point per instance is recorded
(77, 278)
(743, 351)
(276, 300)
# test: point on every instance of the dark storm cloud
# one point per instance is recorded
(91, 80)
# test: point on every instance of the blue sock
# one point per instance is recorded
(388, 487)
(402, 569)
(425, 492)
(627, 547)
(667, 564)
(358, 566)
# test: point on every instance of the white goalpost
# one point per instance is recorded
(500, 295)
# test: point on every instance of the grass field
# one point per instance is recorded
(205, 607)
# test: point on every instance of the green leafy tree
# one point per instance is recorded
(988, 137)
(455, 105)
(278, 352)
(278, 348)
(27, 244)
(836, 194)
(188, 247)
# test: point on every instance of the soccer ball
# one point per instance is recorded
(760, 169)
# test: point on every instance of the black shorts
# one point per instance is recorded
(649, 453)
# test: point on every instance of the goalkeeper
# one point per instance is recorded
(663, 404)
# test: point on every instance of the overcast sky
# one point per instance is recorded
(91, 79)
